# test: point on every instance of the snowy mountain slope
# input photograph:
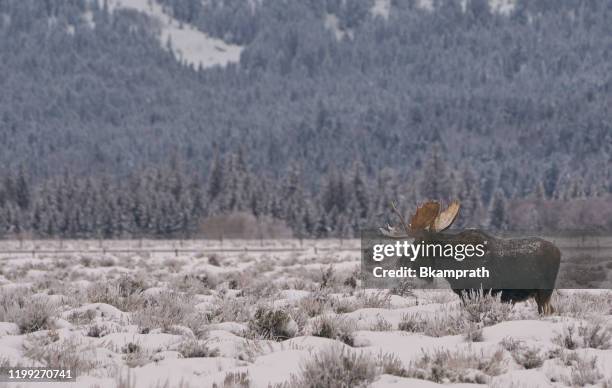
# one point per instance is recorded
(190, 45)
(503, 7)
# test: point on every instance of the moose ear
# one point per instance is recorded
(447, 217)
(424, 216)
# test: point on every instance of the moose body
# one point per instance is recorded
(522, 268)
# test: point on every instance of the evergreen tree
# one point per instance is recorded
(22, 190)
(361, 204)
(550, 180)
(435, 180)
(469, 195)
(215, 179)
(498, 212)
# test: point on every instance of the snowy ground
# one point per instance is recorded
(256, 319)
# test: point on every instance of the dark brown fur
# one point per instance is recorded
(539, 261)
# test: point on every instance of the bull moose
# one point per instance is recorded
(524, 268)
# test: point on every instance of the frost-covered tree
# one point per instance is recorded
(435, 180)
(498, 212)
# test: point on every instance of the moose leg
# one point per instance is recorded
(542, 298)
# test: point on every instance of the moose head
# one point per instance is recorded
(427, 220)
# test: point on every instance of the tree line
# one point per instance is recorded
(167, 202)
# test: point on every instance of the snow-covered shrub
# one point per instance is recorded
(272, 323)
(302, 284)
(315, 303)
(82, 317)
(527, 357)
(70, 353)
(327, 277)
(173, 265)
(567, 338)
(300, 318)
(194, 348)
(351, 281)
(229, 309)
(169, 309)
(473, 333)
(135, 355)
(392, 365)
(581, 304)
(95, 331)
(337, 367)
(235, 380)
(584, 371)
(86, 261)
(344, 305)
(105, 261)
(585, 335)
(482, 307)
(595, 335)
(510, 344)
(380, 299)
(131, 284)
(334, 327)
(381, 324)
(404, 288)
(124, 293)
(98, 330)
(438, 296)
(263, 288)
(28, 312)
(36, 314)
(194, 284)
(459, 366)
(413, 323)
(440, 324)
(213, 260)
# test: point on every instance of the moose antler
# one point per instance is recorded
(427, 217)
(447, 217)
(397, 231)
(424, 217)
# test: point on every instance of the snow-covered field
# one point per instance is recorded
(280, 319)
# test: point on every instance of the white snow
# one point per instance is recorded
(7, 328)
(522, 378)
(381, 8)
(331, 23)
(425, 4)
(190, 45)
(388, 381)
(266, 362)
(503, 7)
(89, 19)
